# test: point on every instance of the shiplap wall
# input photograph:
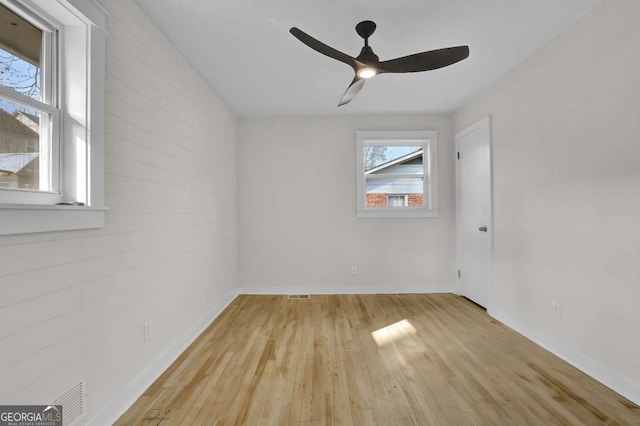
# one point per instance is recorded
(72, 304)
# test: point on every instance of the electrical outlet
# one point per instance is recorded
(354, 270)
(557, 311)
(148, 330)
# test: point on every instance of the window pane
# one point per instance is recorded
(23, 152)
(394, 175)
(20, 54)
(387, 192)
(384, 155)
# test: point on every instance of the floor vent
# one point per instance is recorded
(298, 296)
(73, 404)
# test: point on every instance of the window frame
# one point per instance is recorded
(428, 140)
(80, 76)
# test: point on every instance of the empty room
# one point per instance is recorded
(319, 213)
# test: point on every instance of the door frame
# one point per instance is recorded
(484, 121)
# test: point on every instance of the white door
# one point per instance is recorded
(474, 211)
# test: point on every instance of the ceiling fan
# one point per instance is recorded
(367, 64)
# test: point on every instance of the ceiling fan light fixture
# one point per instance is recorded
(367, 72)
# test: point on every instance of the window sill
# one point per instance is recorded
(29, 218)
(396, 213)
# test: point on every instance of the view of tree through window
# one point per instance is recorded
(19, 75)
(374, 155)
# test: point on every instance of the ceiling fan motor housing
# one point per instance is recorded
(366, 55)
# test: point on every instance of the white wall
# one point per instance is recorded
(566, 126)
(72, 304)
(298, 230)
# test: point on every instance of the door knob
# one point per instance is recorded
(482, 229)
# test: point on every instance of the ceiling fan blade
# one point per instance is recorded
(425, 61)
(352, 90)
(319, 46)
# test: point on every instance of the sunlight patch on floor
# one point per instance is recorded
(393, 332)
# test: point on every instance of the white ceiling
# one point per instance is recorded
(244, 49)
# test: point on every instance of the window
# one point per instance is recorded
(29, 117)
(51, 115)
(396, 173)
(397, 200)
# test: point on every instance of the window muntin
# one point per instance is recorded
(396, 173)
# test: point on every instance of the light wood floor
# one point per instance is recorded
(432, 359)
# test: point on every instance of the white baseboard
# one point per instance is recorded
(346, 289)
(589, 366)
(119, 405)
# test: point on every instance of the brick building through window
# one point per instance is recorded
(397, 183)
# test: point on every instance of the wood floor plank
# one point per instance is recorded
(371, 360)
